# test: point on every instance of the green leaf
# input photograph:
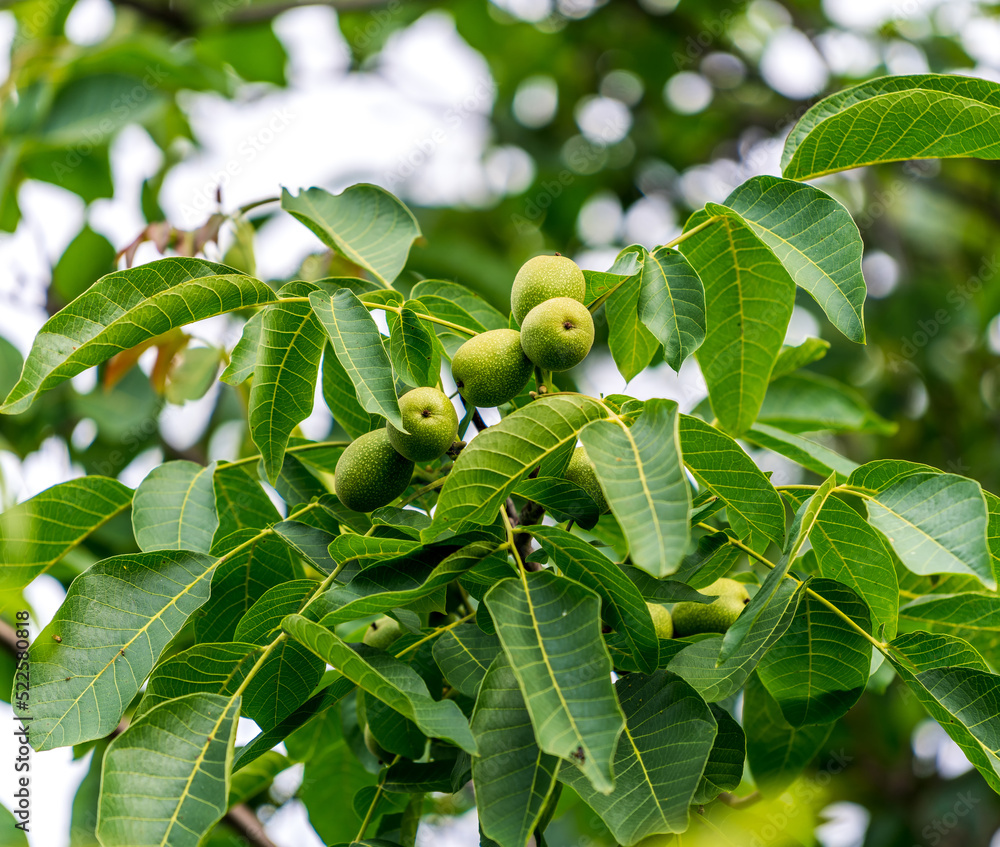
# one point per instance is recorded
(82, 684)
(310, 542)
(166, 778)
(513, 778)
(457, 304)
(284, 385)
(973, 617)
(342, 398)
(240, 501)
(894, 118)
(358, 345)
(493, 463)
(672, 304)
(240, 581)
(816, 240)
(125, 308)
(243, 359)
(174, 508)
(411, 349)
(387, 679)
(622, 606)
(936, 523)
(720, 465)
(749, 297)
(803, 451)
(252, 781)
(850, 551)
(37, 533)
(464, 654)
(10, 366)
(600, 284)
(724, 769)
(806, 402)
(818, 669)
(643, 480)
(993, 530)
(776, 751)
(715, 680)
(13, 837)
(204, 668)
(87, 257)
(290, 672)
(965, 700)
(563, 499)
(550, 628)
(659, 761)
(632, 344)
(365, 223)
(399, 582)
(881, 474)
(790, 359)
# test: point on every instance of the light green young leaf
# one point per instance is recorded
(284, 385)
(166, 778)
(622, 606)
(790, 359)
(550, 628)
(720, 465)
(850, 551)
(493, 463)
(365, 223)
(243, 359)
(600, 284)
(894, 118)
(37, 533)
(672, 304)
(936, 523)
(816, 240)
(950, 680)
(82, 683)
(659, 760)
(204, 668)
(807, 402)
(411, 347)
(643, 480)
(358, 345)
(803, 451)
(776, 751)
(193, 373)
(174, 508)
(464, 654)
(125, 308)
(632, 344)
(993, 530)
(387, 679)
(881, 474)
(819, 667)
(513, 778)
(749, 297)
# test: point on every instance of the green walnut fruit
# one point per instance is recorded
(543, 278)
(431, 424)
(382, 633)
(491, 368)
(717, 616)
(376, 749)
(557, 335)
(662, 621)
(370, 473)
(581, 471)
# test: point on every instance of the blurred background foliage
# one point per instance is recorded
(580, 126)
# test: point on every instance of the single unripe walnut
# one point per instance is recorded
(431, 425)
(376, 749)
(581, 471)
(370, 473)
(557, 335)
(662, 622)
(717, 616)
(491, 368)
(382, 633)
(543, 278)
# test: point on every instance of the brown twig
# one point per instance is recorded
(243, 819)
(8, 637)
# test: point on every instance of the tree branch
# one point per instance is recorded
(243, 819)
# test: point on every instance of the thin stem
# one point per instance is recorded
(420, 492)
(397, 309)
(684, 236)
(374, 803)
(299, 448)
(439, 631)
(880, 645)
(250, 206)
(521, 569)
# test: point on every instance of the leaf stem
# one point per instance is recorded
(250, 206)
(299, 448)
(439, 631)
(684, 236)
(420, 492)
(374, 803)
(397, 309)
